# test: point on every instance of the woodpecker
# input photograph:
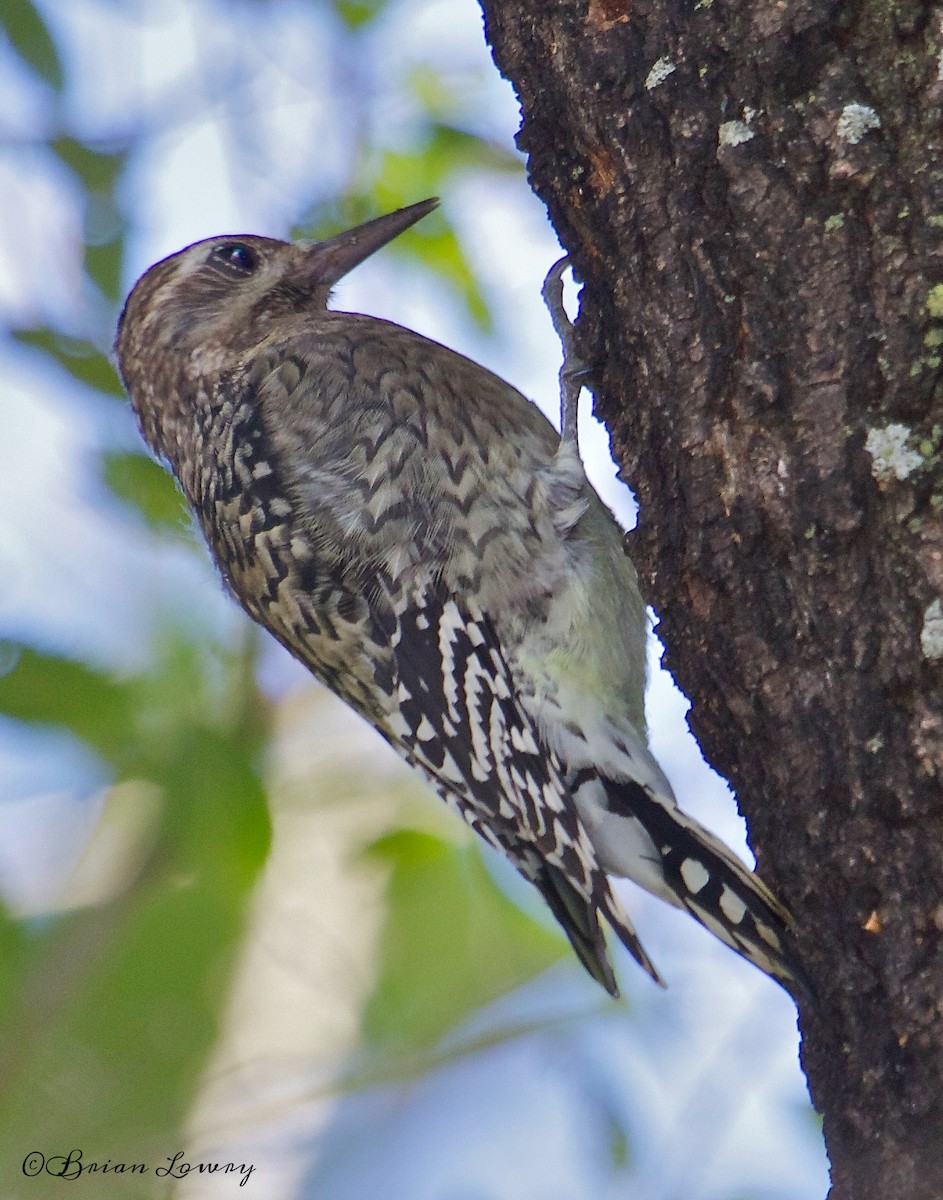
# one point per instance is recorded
(415, 531)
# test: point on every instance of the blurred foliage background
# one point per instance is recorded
(232, 924)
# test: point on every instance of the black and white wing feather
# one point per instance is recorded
(457, 719)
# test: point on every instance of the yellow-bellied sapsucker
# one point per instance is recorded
(415, 531)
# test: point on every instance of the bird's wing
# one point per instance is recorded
(457, 719)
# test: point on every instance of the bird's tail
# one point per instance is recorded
(580, 921)
(711, 882)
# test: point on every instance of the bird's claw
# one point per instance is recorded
(574, 372)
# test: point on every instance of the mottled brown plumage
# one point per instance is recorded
(413, 529)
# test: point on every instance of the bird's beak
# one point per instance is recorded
(330, 260)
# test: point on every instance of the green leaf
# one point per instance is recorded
(44, 688)
(12, 955)
(452, 943)
(103, 263)
(145, 724)
(97, 168)
(357, 13)
(80, 357)
(218, 800)
(141, 482)
(32, 41)
(431, 90)
(443, 152)
(451, 149)
(441, 251)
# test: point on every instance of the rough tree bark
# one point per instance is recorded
(751, 191)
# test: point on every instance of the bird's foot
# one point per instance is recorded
(574, 372)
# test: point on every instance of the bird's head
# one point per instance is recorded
(188, 313)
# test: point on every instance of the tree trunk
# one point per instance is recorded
(751, 191)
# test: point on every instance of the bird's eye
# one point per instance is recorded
(234, 258)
